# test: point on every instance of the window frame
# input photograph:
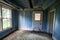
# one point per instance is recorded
(37, 16)
(10, 19)
(1, 17)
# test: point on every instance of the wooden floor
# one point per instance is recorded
(25, 35)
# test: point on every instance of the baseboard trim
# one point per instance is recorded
(37, 32)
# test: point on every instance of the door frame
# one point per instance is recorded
(33, 17)
(53, 10)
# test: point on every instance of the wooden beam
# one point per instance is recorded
(32, 9)
(4, 3)
(30, 2)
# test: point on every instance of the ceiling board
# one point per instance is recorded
(25, 3)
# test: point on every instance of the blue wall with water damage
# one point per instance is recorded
(56, 31)
(25, 19)
(45, 20)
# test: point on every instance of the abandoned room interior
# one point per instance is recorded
(29, 19)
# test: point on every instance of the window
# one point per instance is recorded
(5, 18)
(37, 16)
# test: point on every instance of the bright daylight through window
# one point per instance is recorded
(37, 16)
(5, 18)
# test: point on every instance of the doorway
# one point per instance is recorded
(37, 20)
(51, 21)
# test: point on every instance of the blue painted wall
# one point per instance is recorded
(45, 19)
(56, 30)
(15, 18)
(14, 24)
(25, 19)
(28, 19)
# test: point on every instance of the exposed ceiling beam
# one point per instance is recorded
(3, 2)
(14, 3)
(30, 2)
(32, 9)
(11, 3)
